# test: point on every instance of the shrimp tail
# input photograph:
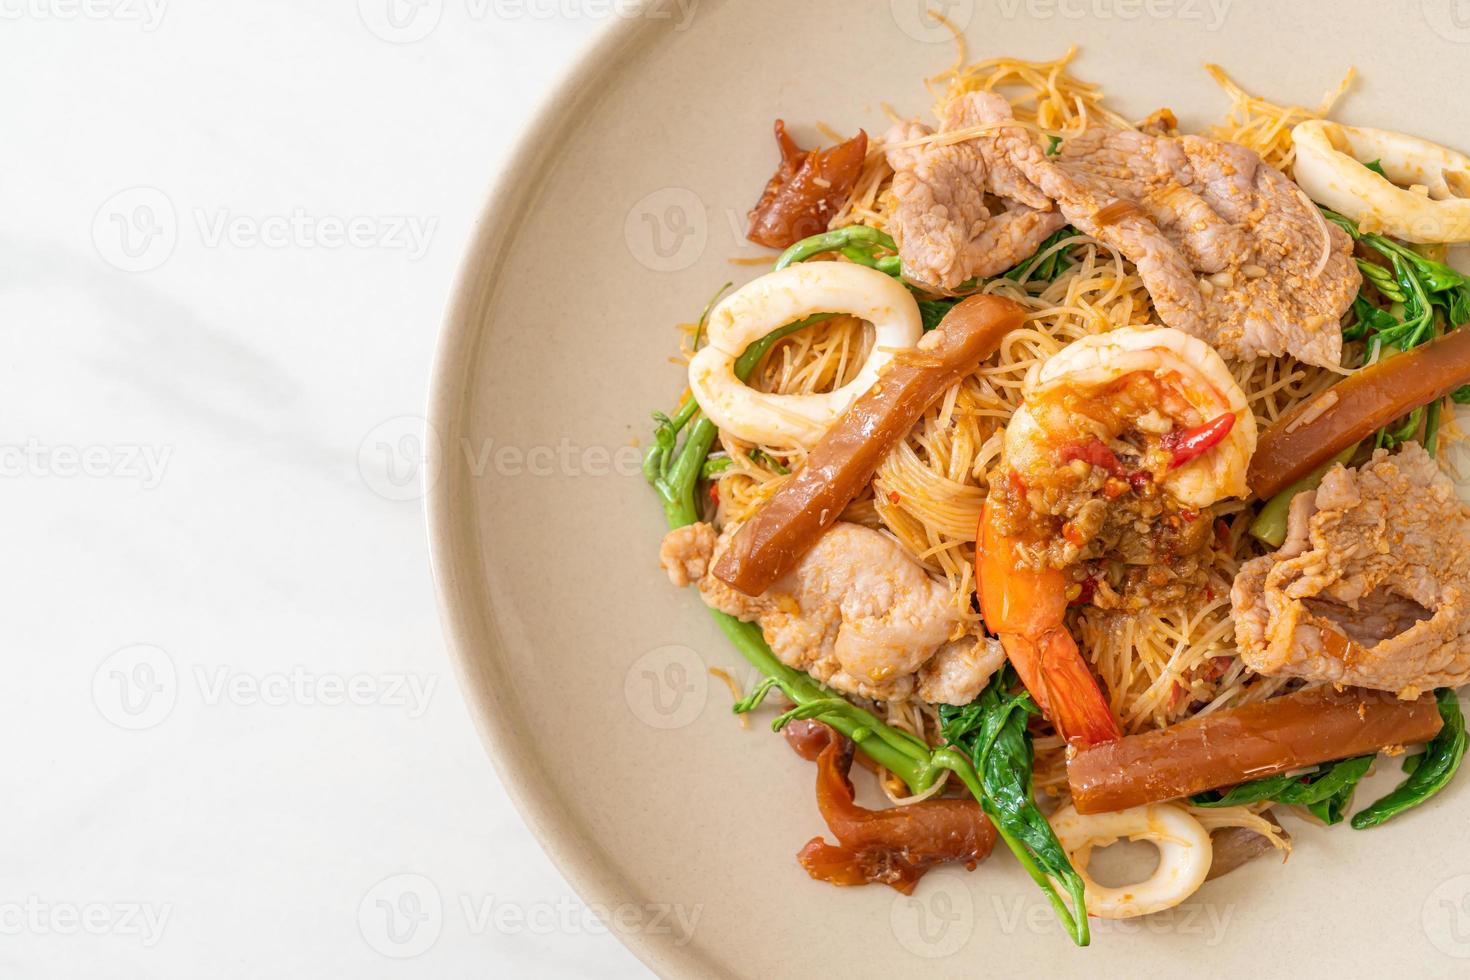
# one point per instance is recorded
(1026, 609)
(1053, 670)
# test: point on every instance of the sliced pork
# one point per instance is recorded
(1372, 586)
(1229, 248)
(964, 210)
(857, 613)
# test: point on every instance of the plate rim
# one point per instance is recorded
(511, 191)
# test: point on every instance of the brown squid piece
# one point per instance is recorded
(894, 847)
(1353, 409)
(771, 543)
(1260, 739)
(807, 189)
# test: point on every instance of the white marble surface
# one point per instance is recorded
(228, 234)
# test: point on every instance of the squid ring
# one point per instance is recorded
(783, 297)
(1185, 853)
(1436, 208)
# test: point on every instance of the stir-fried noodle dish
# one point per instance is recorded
(1085, 479)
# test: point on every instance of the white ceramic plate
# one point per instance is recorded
(587, 672)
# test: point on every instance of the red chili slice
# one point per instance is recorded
(1184, 445)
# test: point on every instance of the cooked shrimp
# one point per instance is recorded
(1161, 400)
(1025, 608)
(1166, 387)
(1185, 853)
(771, 302)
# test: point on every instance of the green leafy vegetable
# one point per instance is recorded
(1053, 143)
(991, 731)
(1426, 297)
(1047, 269)
(673, 471)
(1377, 167)
(1420, 283)
(1366, 318)
(1436, 276)
(1402, 431)
(1429, 772)
(1326, 791)
(862, 239)
(1432, 425)
(770, 462)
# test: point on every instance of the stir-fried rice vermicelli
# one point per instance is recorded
(1159, 664)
